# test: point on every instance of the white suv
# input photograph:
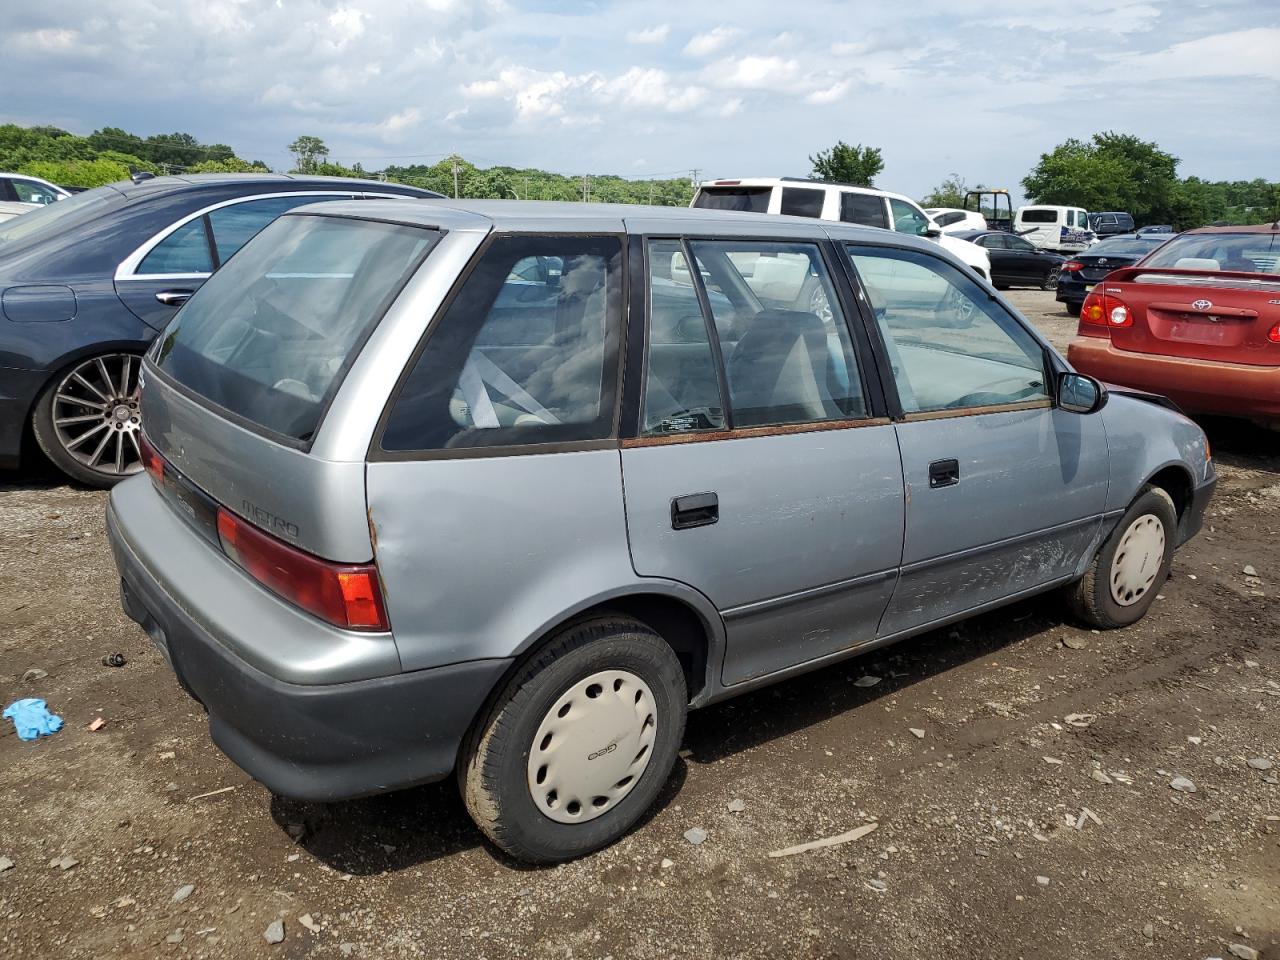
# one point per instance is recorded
(836, 201)
(21, 193)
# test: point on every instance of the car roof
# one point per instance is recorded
(565, 217)
(728, 183)
(1247, 228)
(187, 181)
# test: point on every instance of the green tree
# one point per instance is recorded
(307, 153)
(858, 165)
(949, 193)
(1112, 171)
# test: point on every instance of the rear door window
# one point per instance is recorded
(185, 251)
(863, 208)
(526, 353)
(802, 201)
(746, 199)
(270, 335)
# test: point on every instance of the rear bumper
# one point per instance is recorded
(1198, 386)
(314, 741)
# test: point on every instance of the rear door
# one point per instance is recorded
(762, 473)
(1004, 491)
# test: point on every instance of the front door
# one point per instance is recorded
(1004, 490)
(761, 475)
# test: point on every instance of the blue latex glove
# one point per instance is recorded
(32, 718)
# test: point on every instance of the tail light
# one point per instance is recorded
(346, 595)
(1274, 334)
(1072, 266)
(152, 462)
(1106, 310)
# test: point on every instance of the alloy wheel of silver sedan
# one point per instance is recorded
(592, 746)
(95, 418)
(1138, 559)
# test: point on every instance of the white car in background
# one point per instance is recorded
(868, 206)
(21, 193)
(955, 220)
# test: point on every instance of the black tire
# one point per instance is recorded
(46, 433)
(1073, 309)
(1091, 597)
(493, 769)
(1050, 281)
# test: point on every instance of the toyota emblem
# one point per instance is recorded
(1202, 304)
(1102, 260)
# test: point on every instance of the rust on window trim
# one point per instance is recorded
(1038, 404)
(739, 433)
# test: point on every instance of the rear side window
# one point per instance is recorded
(1039, 216)
(269, 336)
(802, 202)
(186, 250)
(746, 199)
(525, 354)
(864, 209)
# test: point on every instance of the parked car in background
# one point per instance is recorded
(1015, 262)
(955, 221)
(21, 193)
(1157, 228)
(87, 282)
(869, 207)
(384, 538)
(1110, 223)
(1197, 320)
(1081, 273)
(1054, 228)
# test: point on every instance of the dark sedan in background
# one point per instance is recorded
(1084, 270)
(1016, 262)
(88, 282)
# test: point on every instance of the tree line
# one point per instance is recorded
(1110, 171)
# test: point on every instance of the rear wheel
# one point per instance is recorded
(1051, 279)
(87, 420)
(1132, 565)
(576, 747)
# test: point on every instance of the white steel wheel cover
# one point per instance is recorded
(592, 746)
(1137, 560)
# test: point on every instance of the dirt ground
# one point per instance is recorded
(983, 847)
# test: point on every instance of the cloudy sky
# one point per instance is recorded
(662, 87)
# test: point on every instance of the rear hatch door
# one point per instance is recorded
(1198, 314)
(237, 386)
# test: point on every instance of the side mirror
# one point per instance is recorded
(1078, 393)
(932, 231)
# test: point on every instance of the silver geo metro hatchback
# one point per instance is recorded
(506, 488)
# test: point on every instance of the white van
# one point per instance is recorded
(836, 201)
(1049, 227)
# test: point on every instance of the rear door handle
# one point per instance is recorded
(944, 473)
(694, 510)
(174, 298)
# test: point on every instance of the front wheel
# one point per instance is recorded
(1132, 565)
(1051, 280)
(577, 746)
(87, 421)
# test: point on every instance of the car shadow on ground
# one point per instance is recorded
(400, 831)
(1242, 444)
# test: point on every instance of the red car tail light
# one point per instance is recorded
(1106, 310)
(1072, 266)
(346, 595)
(1274, 334)
(152, 462)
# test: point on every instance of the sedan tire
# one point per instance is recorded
(576, 747)
(1132, 565)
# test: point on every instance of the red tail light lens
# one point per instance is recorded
(1072, 266)
(1106, 310)
(152, 462)
(1274, 334)
(346, 595)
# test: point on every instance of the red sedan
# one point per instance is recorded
(1197, 320)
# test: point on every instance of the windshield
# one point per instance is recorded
(748, 199)
(1240, 252)
(66, 213)
(1123, 248)
(270, 334)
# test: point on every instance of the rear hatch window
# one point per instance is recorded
(747, 199)
(270, 335)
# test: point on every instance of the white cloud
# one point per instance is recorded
(705, 44)
(754, 73)
(1084, 16)
(347, 22)
(1240, 53)
(656, 34)
(828, 94)
(653, 89)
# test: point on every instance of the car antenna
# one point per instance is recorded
(137, 176)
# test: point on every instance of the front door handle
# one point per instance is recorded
(944, 473)
(174, 298)
(694, 510)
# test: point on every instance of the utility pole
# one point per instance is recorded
(651, 193)
(693, 178)
(586, 189)
(526, 188)
(455, 176)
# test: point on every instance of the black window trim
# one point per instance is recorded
(377, 454)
